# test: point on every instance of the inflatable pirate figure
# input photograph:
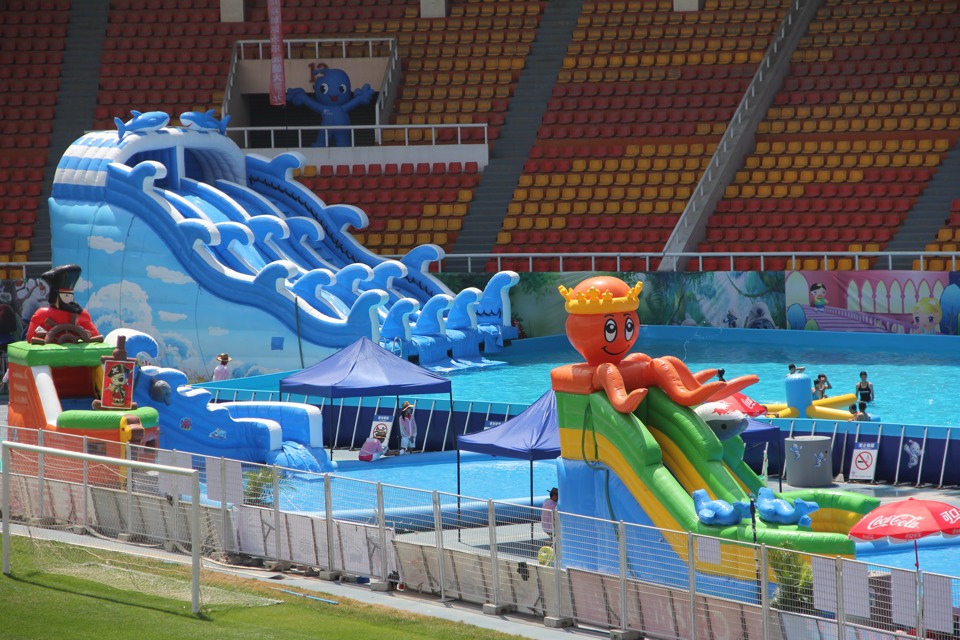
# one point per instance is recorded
(64, 321)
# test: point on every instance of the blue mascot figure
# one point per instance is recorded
(333, 99)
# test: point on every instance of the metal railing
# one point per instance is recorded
(590, 571)
(794, 260)
(297, 137)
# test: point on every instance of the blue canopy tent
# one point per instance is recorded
(533, 434)
(364, 368)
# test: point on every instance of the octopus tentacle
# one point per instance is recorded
(689, 380)
(690, 397)
(607, 377)
(733, 386)
(704, 375)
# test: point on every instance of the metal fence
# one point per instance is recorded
(627, 578)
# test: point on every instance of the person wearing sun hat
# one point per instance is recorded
(373, 448)
(408, 428)
(221, 372)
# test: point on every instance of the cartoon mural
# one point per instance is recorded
(920, 302)
(742, 299)
(334, 99)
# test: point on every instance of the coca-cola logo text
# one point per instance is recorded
(903, 521)
(951, 515)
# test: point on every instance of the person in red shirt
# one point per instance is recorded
(64, 312)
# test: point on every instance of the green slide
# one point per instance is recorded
(663, 452)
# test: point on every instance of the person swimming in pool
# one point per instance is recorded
(861, 415)
(864, 388)
(820, 386)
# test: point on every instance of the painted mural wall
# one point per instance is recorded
(863, 301)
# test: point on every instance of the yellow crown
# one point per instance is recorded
(595, 301)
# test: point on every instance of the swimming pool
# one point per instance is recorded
(481, 476)
(914, 378)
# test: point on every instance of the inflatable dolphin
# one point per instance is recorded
(140, 122)
(773, 509)
(718, 512)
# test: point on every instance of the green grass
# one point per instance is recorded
(38, 605)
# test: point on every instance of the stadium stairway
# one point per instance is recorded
(930, 212)
(535, 86)
(77, 100)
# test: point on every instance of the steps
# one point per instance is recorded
(519, 132)
(930, 212)
(76, 103)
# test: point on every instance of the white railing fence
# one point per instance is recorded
(623, 577)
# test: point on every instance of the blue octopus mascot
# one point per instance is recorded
(333, 99)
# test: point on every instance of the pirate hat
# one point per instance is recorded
(63, 278)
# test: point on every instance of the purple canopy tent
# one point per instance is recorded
(364, 368)
(533, 434)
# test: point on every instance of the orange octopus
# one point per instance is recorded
(602, 326)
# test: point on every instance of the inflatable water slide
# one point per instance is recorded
(288, 434)
(56, 388)
(182, 235)
(643, 467)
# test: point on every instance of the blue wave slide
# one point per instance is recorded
(183, 236)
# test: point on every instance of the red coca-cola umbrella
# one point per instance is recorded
(909, 519)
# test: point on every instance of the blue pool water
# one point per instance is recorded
(481, 476)
(914, 383)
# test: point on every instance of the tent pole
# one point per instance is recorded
(450, 422)
(396, 417)
(531, 498)
(458, 496)
(333, 434)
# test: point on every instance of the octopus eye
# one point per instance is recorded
(343, 88)
(324, 88)
(610, 330)
(628, 329)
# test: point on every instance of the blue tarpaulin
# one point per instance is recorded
(364, 368)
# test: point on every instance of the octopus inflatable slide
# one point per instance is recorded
(634, 449)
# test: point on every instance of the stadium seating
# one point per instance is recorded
(31, 56)
(861, 124)
(642, 99)
(406, 204)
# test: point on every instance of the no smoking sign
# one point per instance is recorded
(863, 466)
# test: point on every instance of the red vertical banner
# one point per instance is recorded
(117, 389)
(278, 79)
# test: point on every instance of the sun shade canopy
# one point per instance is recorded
(364, 369)
(533, 434)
